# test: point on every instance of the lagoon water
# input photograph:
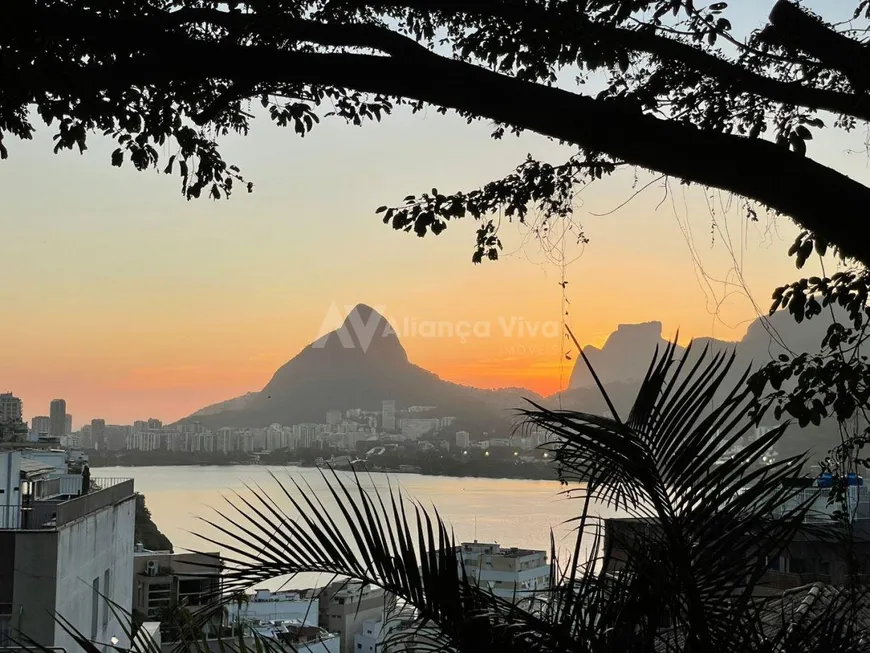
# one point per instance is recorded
(511, 512)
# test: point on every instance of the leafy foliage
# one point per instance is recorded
(835, 382)
(668, 84)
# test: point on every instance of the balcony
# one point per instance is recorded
(47, 507)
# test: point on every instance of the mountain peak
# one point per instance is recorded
(363, 312)
(643, 332)
(365, 331)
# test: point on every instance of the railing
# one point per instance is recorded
(49, 487)
(110, 491)
(104, 483)
(35, 516)
(48, 514)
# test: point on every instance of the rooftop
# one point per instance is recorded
(293, 632)
(50, 504)
(495, 549)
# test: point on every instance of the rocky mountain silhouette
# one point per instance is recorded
(359, 365)
(627, 353)
(625, 357)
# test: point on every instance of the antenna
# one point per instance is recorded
(475, 529)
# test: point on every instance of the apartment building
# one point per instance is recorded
(344, 607)
(63, 553)
(510, 573)
(163, 580)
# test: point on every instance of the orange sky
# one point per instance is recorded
(130, 302)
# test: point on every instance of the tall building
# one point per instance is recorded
(67, 424)
(98, 434)
(462, 439)
(333, 417)
(58, 418)
(388, 415)
(63, 554)
(10, 408)
(40, 424)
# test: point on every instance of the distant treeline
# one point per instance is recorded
(475, 463)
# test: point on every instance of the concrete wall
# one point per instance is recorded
(33, 597)
(101, 540)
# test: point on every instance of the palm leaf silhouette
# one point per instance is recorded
(703, 528)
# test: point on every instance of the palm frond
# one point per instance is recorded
(708, 519)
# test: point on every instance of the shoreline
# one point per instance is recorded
(547, 473)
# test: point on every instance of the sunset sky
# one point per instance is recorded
(130, 302)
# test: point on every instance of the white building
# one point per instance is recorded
(10, 408)
(367, 640)
(145, 441)
(388, 415)
(512, 574)
(264, 605)
(462, 439)
(80, 548)
(413, 428)
(305, 435)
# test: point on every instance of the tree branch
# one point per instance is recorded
(756, 169)
(792, 27)
(819, 198)
(670, 50)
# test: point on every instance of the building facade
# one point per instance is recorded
(388, 415)
(345, 606)
(40, 424)
(81, 546)
(513, 574)
(11, 408)
(57, 414)
(163, 580)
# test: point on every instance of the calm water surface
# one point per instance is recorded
(510, 512)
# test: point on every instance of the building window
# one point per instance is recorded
(95, 606)
(107, 591)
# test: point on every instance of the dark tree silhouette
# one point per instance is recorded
(674, 90)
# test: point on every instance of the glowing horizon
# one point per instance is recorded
(130, 302)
